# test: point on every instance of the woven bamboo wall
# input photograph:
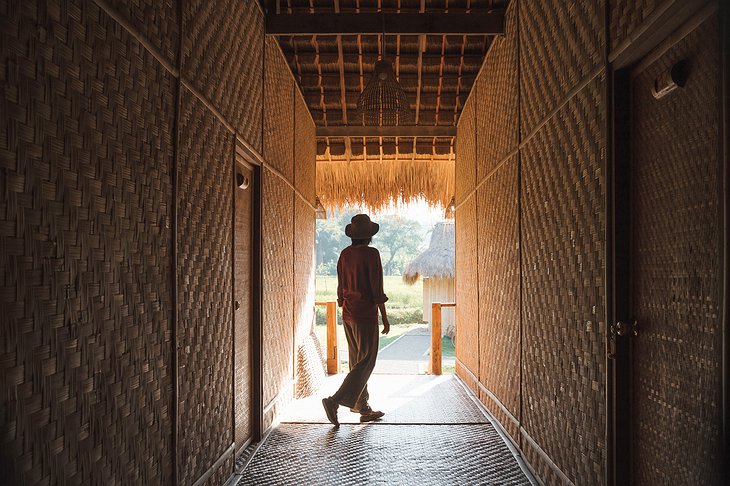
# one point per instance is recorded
(157, 20)
(223, 59)
(86, 204)
(279, 113)
(84, 229)
(677, 299)
(205, 288)
(496, 102)
(278, 304)
(305, 151)
(539, 210)
(563, 282)
(626, 15)
(467, 309)
(465, 163)
(499, 288)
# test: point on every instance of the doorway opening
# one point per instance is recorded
(416, 244)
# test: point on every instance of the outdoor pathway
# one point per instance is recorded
(434, 432)
(408, 354)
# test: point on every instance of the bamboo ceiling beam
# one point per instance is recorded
(387, 131)
(490, 23)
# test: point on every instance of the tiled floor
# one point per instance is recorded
(433, 433)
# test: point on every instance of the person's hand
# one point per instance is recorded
(386, 325)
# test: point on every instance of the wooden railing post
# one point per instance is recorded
(436, 338)
(333, 354)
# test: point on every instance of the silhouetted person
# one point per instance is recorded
(360, 294)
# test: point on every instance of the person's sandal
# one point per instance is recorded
(370, 416)
(330, 408)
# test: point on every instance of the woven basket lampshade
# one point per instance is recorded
(383, 101)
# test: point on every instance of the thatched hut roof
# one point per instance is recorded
(438, 259)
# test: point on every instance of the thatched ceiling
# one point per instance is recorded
(436, 71)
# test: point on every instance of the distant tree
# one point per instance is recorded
(399, 241)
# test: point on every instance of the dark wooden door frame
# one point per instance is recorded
(725, 141)
(245, 155)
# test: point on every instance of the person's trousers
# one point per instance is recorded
(362, 343)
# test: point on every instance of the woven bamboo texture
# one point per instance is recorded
(499, 286)
(223, 59)
(560, 44)
(465, 164)
(467, 308)
(311, 371)
(278, 288)
(305, 151)
(304, 263)
(496, 101)
(677, 263)
(84, 231)
(157, 20)
(563, 287)
(279, 113)
(205, 307)
(626, 15)
(243, 315)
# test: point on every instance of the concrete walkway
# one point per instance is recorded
(409, 354)
(434, 432)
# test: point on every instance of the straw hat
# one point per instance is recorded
(361, 227)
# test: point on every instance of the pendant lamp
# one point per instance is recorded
(383, 101)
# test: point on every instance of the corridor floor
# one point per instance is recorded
(433, 433)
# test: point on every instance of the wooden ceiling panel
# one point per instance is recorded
(435, 70)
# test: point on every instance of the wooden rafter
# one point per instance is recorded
(387, 131)
(489, 23)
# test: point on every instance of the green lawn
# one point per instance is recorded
(404, 306)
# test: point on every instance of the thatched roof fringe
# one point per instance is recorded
(376, 185)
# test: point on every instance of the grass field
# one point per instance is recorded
(404, 306)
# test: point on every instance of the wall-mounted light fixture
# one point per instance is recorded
(320, 212)
(242, 181)
(668, 81)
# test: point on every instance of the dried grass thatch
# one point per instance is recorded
(438, 260)
(376, 184)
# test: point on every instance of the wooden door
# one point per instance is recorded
(243, 303)
(676, 265)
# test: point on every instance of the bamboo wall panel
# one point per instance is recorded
(278, 288)
(279, 113)
(304, 263)
(85, 283)
(467, 306)
(305, 151)
(560, 44)
(465, 164)
(677, 269)
(157, 20)
(563, 281)
(223, 59)
(496, 101)
(499, 286)
(205, 304)
(626, 15)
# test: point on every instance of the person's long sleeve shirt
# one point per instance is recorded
(360, 283)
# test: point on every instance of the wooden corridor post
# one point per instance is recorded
(333, 354)
(436, 353)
